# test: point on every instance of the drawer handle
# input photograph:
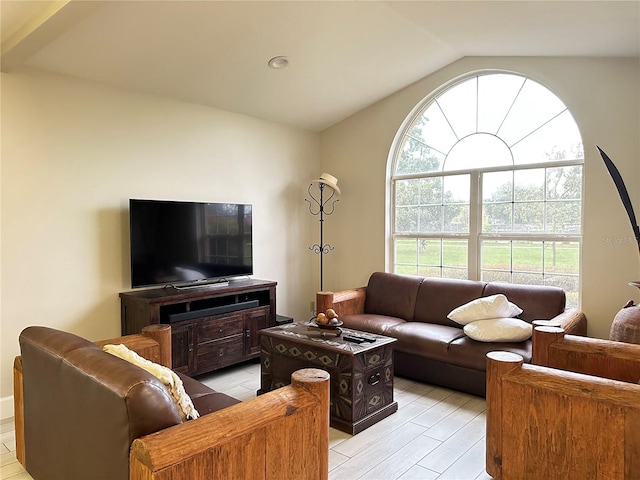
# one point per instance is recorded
(374, 379)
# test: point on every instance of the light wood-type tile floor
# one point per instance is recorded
(435, 434)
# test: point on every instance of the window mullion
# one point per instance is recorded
(475, 225)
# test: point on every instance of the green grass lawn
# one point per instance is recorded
(558, 257)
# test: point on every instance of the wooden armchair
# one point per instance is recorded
(283, 434)
(576, 417)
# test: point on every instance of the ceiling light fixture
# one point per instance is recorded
(278, 62)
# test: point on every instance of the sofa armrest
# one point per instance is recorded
(345, 302)
(549, 423)
(154, 343)
(572, 321)
(283, 434)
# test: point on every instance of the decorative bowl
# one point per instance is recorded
(334, 326)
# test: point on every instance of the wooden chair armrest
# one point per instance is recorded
(345, 302)
(154, 343)
(552, 347)
(283, 434)
(573, 321)
(544, 423)
(18, 409)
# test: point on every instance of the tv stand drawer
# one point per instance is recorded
(220, 353)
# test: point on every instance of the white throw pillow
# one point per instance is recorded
(167, 376)
(493, 306)
(499, 330)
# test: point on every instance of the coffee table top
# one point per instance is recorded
(309, 334)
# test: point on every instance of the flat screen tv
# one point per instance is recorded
(181, 243)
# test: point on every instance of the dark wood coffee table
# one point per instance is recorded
(361, 373)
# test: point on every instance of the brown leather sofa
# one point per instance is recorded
(82, 413)
(430, 347)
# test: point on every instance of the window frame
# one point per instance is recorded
(475, 235)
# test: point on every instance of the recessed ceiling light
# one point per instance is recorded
(278, 62)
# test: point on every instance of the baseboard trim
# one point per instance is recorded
(6, 407)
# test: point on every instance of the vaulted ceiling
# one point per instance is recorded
(343, 55)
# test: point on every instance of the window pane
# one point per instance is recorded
(496, 95)
(459, 273)
(406, 252)
(570, 285)
(495, 276)
(527, 256)
(557, 140)
(497, 217)
(431, 191)
(430, 271)
(527, 278)
(564, 183)
(456, 199)
(562, 257)
(430, 252)
(456, 189)
(478, 151)
(407, 219)
(456, 219)
(407, 192)
(496, 255)
(533, 107)
(529, 184)
(454, 253)
(459, 107)
(563, 217)
(416, 157)
(435, 131)
(528, 217)
(430, 219)
(497, 187)
(407, 269)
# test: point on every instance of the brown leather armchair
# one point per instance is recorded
(83, 413)
(574, 413)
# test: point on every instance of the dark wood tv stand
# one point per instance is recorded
(211, 326)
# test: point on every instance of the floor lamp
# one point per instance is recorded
(322, 203)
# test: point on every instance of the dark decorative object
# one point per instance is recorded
(318, 205)
(626, 324)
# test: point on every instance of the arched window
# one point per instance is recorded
(486, 184)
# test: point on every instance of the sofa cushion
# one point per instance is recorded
(371, 323)
(425, 339)
(499, 330)
(468, 353)
(493, 306)
(536, 301)
(205, 399)
(392, 295)
(438, 296)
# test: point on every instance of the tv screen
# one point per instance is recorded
(175, 243)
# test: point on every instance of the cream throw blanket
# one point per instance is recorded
(165, 375)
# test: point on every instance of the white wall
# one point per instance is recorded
(603, 96)
(74, 152)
